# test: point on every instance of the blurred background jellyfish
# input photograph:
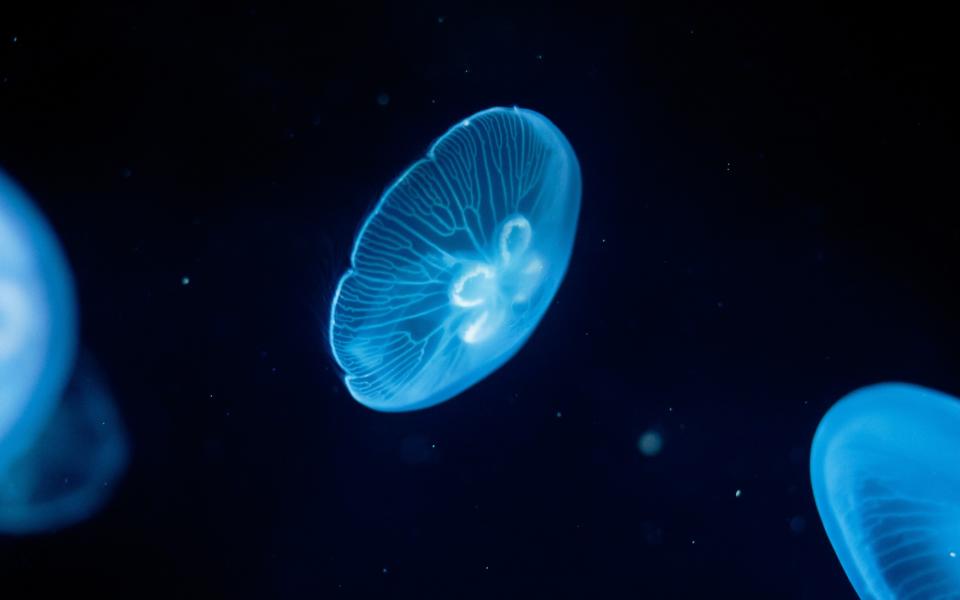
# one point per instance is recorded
(885, 468)
(61, 443)
(458, 262)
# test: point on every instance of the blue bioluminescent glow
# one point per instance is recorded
(61, 446)
(885, 467)
(37, 322)
(73, 465)
(458, 262)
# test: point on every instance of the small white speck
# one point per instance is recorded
(466, 122)
(539, 57)
(953, 554)
(185, 281)
(384, 570)
(738, 493)
(693, 542)
(441, 19)
(433, 445)
(14, 39)
(559, 414)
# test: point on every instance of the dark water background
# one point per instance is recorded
(769, 221)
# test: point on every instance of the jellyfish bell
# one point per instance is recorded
(61, 444)
(37, 321)
(459, 261)
(885, 469)
(75, 462)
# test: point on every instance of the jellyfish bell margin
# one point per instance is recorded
(38, 323)
(62, 446)
(74, 464)
(458, 263)
(885, 470)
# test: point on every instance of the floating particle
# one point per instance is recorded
(650, 443)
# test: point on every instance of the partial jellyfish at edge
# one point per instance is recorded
(62, 445)
(885, 468)
(459, 261)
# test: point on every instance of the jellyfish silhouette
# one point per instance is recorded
(61, 444)
(458, 262)
(885, 467)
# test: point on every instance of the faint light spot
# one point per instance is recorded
(441, 19)
(539, 57)
(383, 99)
(652, 533)
(384, 570)
(738, 493)
(415, 450)
(798, 524)
(185, 280)
(559, 414)
(953, 554)
(650, 443)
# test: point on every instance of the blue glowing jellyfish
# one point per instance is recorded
(885, 467)
(458, 262)
(61, 446)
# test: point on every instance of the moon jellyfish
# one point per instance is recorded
(885, 467)
(458, 262)
(61, 444)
